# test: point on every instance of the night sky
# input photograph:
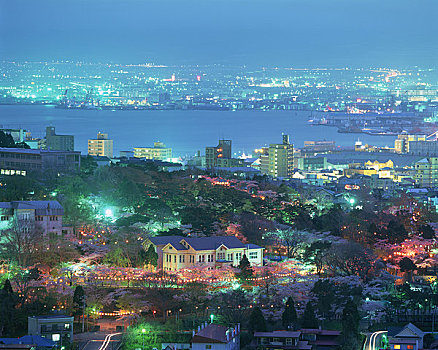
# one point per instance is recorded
(253, 32)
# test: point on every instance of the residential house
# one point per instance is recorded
(321, 339)
(409, 337)
(281, 340)
(216, 337)
(177, 252)
(29, 215)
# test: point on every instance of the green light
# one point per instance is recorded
(352, 201)
(143, 330)
(211, 318)
(53, 194)
(108, 213)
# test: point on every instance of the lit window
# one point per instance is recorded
(410, 347)
(397, 347)
(56, 337)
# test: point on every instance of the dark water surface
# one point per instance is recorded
(184, 131)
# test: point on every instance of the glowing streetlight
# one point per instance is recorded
(211, 318)
(108, 213)
(143, 331)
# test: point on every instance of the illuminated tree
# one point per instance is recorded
(316, 253)
(290, 238)
(246, 272)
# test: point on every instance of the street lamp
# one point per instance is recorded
(211, 318)
(143, 331)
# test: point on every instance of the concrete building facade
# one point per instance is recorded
(158, 152)
(19, 161)
(56, 142)
(101, 146)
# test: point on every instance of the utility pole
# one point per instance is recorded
(83, 313)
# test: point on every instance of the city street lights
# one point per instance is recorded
(143, 331)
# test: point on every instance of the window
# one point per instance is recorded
(56, 337)
(208, 346)
(220, 256)
(397, 346)
(174, 258)
(253, 255)
(5, 218)
(410, 347)
(67, 326)
(288, 341)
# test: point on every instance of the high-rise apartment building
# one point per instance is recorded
(102, 146)
(158, 152)
(56, 142)
(401, 144)
(278, 159)
(426, 172)
(214, 155)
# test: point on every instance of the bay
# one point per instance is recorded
(184, 131)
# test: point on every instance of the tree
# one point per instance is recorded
(309, 318)
(257, 322)
(6, 140)
(20, 242)
(8, 312)
(316, 254)
(407, 265)
(289, 316)
(324, 291)
(350, 258)
(350, 326)
(246, 271)
(78, 301)
(290, 238)
(426, 232)
(152, 256)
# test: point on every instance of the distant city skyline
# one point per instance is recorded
(286, 33)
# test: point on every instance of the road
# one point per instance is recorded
(100, 341)
(373, 341)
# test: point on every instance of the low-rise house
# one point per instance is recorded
(27, 342)
(409, 337)
(281, 340)
(177, 252)
(216, 337)
(25, 216)
(58, 328)
(321, 339)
